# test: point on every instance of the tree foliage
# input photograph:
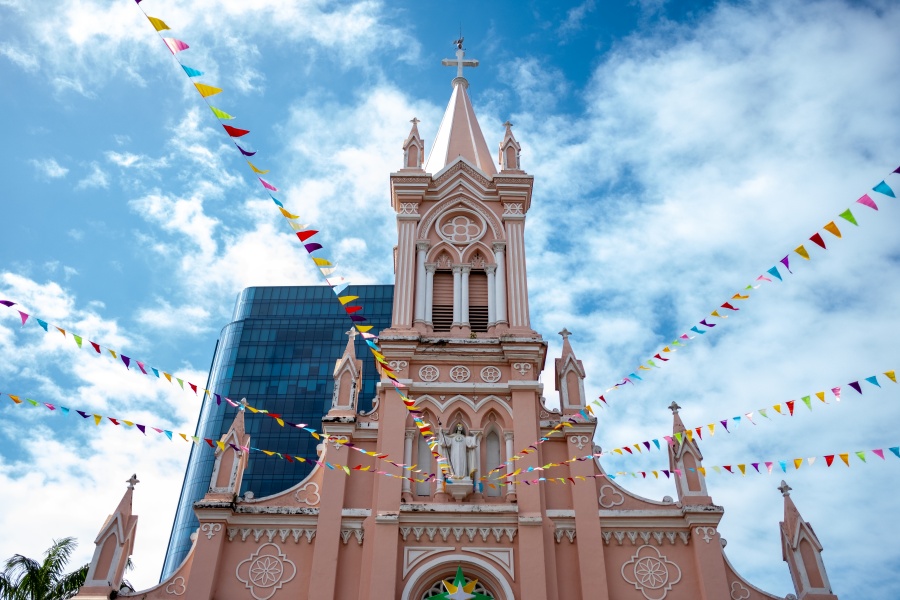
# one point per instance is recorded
(24, 578)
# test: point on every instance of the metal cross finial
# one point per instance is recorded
(351, 334)
(785, 489)
(460, 61)
(132, 481)
(674, 407)
(415, 121)
(565, 333)
(507, 125)
(243, 404)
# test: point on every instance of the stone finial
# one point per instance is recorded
(132, 481)
(351, 334)
(674, 407)
(565, 333)
(415, 121)
(784, 488)
(244, 404)
(508, 125)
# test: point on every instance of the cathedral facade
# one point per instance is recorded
(461, 342)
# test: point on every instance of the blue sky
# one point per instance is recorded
(680, 150)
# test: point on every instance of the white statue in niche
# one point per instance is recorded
(460, 450)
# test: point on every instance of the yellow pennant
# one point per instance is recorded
(739, 297)
(690, 435)
(169, 377)
(820, 396)
(221, 445)
(255, 170)
(702, 470)
(743, 469)
(833, 230)
(712, 428)
(158, 24)
(643, 368)
(113, 352)
(207, 90)
(666, 349)
(322, 262)
(890, 375)
(798, 462)
(15, 399)
(346, 299)
(363, 328)
(97, 419)
(715, 313)
(802, 251)
(777, 408)
(183, 436)
(287, 214)
(128, 423)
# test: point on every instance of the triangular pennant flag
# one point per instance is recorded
(96, 347)
(895, 450)
(246, 153)
(191, 72)
(821, 396)
(23, 316)
(816, 238)
(207, 90)
(267, 185)
(158, 24)
(786, 262)
(879, 453)
(890, 375)
(305, 235)
(837, 392)
(883, 188)
(831, 228)
(234, 131)
(862, 455)
(77, 339)
(220, 113)
(797, 463)
(873, 380)
(774, 272)
(790, 405)
(256, 170)
(97, 419)
(125, 360)
(806, 401)
(783, 465)
(43, 324)
(312, 247)
(848, 216)
(846, 458)
(855, 385)
(802, 251)
(174, 45)
(703, 322)
(829, 458)
(865, 200)
(743, 469)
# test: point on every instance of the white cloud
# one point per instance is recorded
(575, 17)
(48, 167)
(97, 178)
(183, 319)
(23, 60)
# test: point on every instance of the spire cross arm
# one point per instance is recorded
(460, 62)
(674, 407)
(565, 333)
(351, 334)
(132, 481)
(415, 121)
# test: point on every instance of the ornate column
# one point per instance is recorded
(514, 221)
(457, 295)
(464, 296)
(407, 459)
(421, 251)
(510, 486)
(429, 291)
(500, 281)
(492, 296)
(404, 290)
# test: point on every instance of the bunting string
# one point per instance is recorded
(778, 271)
(337, 283)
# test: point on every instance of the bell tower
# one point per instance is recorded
(462, 343)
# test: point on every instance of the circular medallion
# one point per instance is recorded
(460, 374)
(429, 373)
(490, 374)
(461, 227)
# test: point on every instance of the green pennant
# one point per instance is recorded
(806, 402)
(849, 217)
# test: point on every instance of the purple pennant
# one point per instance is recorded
(7, 303)
(786, 262)
(666, 473)
(897, 170)
(855, 385)
(755, 466)
(703, 322)
(83, 414)
(725, 424)
(218, 399)
(244, 152)
(126, 360)
(312, 247)
(142, 428)
(647, 444)
(357, 319)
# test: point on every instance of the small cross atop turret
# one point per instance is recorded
(674, 407)
(132, 481)
(784, 488)
(243, 404)
(352, 334)
(565, 333)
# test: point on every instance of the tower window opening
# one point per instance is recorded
(478, 301)
(442, 306)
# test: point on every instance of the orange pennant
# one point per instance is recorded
(833, 230)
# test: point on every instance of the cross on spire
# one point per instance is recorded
(674, 407)
(415, 121)
(460, 60)
(565, 333)
(784, 488)
(132, 481)
(243, 404)
(352, 334)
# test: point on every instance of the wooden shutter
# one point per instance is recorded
(442, 301)
(478, 301)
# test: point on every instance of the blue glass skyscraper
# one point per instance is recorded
(279, 352)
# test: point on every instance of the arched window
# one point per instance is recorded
(492, 446)
(412, 156)
(438, 588)
(442, 304)
(423, 460)
(478, 301)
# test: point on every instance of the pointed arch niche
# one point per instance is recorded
(461, 288)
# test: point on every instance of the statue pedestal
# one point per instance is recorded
(459, 488)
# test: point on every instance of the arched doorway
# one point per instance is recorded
(425, 581)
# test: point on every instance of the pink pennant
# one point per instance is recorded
(267, 185)
(175, 45)
(865, 200)
(879, 453)
(24, 317)
(837, 393)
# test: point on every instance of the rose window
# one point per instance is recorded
(459, 374)
(429, 373)
(462, 229)
(490, 374)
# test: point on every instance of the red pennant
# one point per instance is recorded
(660, 358)
(790, 405)
(727, 468)
(729, 306)
(627, 449)
(829, 458)
(699, 431)
(193, 386)
(352, 309)
(96, 346)
(817, 239)
(305, 235)
(235, 132)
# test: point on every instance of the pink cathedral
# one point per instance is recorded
(461, 340)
